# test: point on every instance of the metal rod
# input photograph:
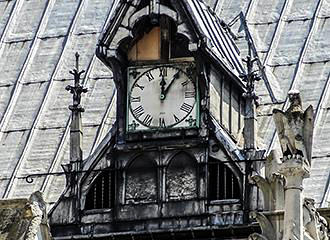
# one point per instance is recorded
(29, 178)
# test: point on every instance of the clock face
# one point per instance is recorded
(161, 97)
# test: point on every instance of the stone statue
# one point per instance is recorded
(295, 129)
(287, 214)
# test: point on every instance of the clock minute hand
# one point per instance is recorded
(173, 79)
(162, 88)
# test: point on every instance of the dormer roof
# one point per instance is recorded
(205, 30)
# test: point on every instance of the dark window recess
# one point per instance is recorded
(223, 184)
(101, 194)
(180, 47)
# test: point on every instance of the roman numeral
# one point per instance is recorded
(163, 72)
(135, 99)
(162, 123)
(186, 107)
(185, 83)
(138, 86)
(149, 76)
(176, 118)
(147, 120)
(138, 112)
(189, 94)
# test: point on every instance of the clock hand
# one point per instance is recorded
(173, 79)
(162, 88)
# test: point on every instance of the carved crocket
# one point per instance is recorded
(295, 128)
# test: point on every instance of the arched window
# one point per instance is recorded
(223, 184)
(141, 181)
(101, 193)
(181, 181)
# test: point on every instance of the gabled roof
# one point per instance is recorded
(213, 35)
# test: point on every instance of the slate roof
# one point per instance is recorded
(38, 39)
(219, 42)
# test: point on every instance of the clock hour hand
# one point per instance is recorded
(175, 76)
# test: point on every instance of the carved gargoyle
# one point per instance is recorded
(295, 129)
(267, 228)
(315, 225)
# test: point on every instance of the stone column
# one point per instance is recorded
(294, 171)
(295, 132)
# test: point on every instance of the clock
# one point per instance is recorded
(162, 97)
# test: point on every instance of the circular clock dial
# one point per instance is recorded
(162, 97)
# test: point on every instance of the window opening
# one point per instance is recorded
(223, 184)
(159, 42)
(101, 193)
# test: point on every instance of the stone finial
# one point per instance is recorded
(295, 129)
(77, 89)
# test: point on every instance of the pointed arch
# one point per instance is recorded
(181, 177)
(141, 181)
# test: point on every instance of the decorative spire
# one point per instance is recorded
(250, 78)
(76, 134)
(77, 89)
(250, 122)
(73, 168)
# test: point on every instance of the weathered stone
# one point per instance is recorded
(24, 219)
(301, 220)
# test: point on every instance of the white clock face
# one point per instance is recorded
(161, 97)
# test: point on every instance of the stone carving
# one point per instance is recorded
(268, 231)
(295, 129)
(141, 181)
(37, 214)
(257, 236)
(289, 215)
(141, 188)
(24, 218)
(181, 178)
(316, 226)
(272, 185)
(181, 184)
